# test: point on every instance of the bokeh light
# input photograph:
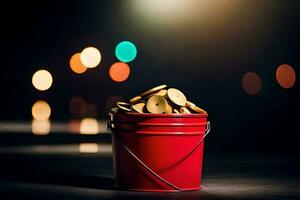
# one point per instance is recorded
(40, 126)
(76, 64)
(74, 126)
(89, 110)
(125, 51)
(76, 105)
(251, 83)
(41, 110)
(42, 80)
(90, 57)
(119, 72)
(88, 148)
(89, 126)
(286, 76)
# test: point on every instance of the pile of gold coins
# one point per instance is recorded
(159, 100)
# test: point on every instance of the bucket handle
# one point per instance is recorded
(149, 169)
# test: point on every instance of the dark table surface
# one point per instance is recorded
(53, 171)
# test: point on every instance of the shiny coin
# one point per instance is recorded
(156, 104)
(148, 96)
(139, 107)
(162, 92)
(153, 90)
(176, 97)
(124, 106)
(195, 108)
(169, 109)
(184, 110)
(135, 99)
(188, 104)
(176, 111)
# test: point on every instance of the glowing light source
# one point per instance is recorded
(42, 80)
(89, 126)
(88, 148)
(74, 126)
(251, 83)
(126, 51)
(286, 76)
(119, 72)
(40, 127)
(41, 110)
(76, 64)
(174, 13)
(90, 57)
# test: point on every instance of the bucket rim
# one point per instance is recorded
(193, 115)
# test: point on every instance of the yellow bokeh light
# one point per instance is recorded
(88, 148)
(40, 127)
(90, 57)
(42, 80)
(89, 126)
(76, 64)
(41, 110)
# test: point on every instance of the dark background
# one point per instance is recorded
(204, 53)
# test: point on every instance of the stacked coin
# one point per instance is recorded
(159, 100)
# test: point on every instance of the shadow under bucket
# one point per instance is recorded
(158, 152)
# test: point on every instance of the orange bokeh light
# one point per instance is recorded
(286, 76)
(119, 72)
(74, 126)
(76, 64)
(251, 83)
(41, 110)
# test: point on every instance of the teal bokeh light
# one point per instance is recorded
(126, 51)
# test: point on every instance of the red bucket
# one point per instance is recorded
(158, 152)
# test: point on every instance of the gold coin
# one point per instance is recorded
(184, 110)
(195, 108)
(124, 106)
(149, 95)
(156, 104)
(176, 111)
(176, 96)
(135, 99)
(188, 104)
(169, 109)
(139, 107)
(162, 92)
(123, 103)
(155, 89)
